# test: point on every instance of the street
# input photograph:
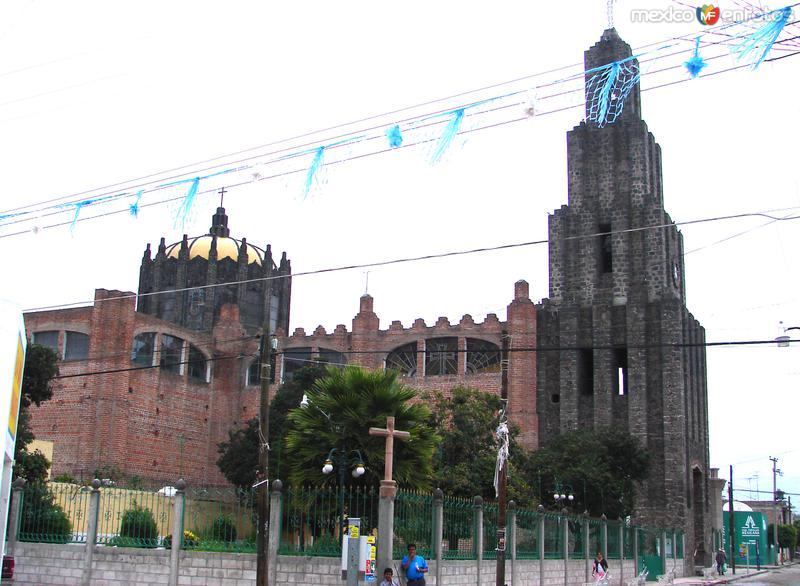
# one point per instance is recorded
(785, 576)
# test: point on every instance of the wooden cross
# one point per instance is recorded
(389, 433)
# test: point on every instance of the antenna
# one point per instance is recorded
(366, 286)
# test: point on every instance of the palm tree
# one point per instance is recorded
(340, 409)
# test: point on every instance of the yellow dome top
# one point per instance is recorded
(226, 248)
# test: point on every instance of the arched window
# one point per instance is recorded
(49, 339)
(254, 373)
(441, 356)
(482, 356)
(403, 359)
(76, 346)
(143, 350)
(332, 357)
(197, 366)
(171, 354)
(293, 360)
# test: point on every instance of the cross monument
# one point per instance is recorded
(387, 494)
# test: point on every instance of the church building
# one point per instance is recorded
(175, 366)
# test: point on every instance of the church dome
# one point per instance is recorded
(227, 247)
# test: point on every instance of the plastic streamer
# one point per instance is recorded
(607, 89)
(696, 64)
(757, 45)
(395, 136)
(316, 163)
(188, 201)
(134, 207)
(450, 132)
(502, 451)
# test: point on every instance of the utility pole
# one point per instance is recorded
(731, 528)
(503, 479)
(262, 479)
(775, 473)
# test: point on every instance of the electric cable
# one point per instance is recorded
(400, 261)
(683, 37)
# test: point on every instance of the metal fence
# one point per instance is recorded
(312, 522)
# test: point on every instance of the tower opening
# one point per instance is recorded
(606, 259)
(621, 370)
(586, 371)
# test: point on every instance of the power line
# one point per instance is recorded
(408, 259)
(418, 117)
(538, 349)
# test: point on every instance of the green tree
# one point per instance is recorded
(787, 536)
(238, 457)
(466, 457)
(342, 407)
(41, 366)
(602, 466)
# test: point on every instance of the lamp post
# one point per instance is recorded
(340, 459)
(784, 339)
(562, 493)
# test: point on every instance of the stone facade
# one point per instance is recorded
(616, 345)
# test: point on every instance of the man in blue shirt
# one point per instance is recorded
(414, 566)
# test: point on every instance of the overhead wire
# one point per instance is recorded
(404, 260)
(438, 100)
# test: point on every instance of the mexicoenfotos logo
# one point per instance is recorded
(708, 14)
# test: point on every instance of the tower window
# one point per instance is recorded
(585, 371)
(621, 371)
(441, 356)
(606, 259)
(403, 359)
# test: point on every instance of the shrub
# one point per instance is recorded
(189, 540)
(139, 524)
(66, 478)
(42, 518)
(223, 529)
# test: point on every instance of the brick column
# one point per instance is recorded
(91, 534)
(177, 532)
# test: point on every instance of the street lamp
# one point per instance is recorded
(340, 459)
(562, 493)
(784, 339)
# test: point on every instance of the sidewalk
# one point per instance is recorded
(726, 579)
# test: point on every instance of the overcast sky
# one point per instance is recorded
(98, 93)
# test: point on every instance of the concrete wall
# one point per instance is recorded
(39, 564)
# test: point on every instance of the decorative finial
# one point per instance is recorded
(610, 13)
(221, 196)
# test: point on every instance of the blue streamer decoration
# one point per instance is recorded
(134, 207)
(319, 153)
(607, 90)
(757, 45)
(696, 64)
(395, 136)
(188, 201)
(449, 134)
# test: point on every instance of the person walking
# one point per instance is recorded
(599, 567)
(721, 558)
(414, 566)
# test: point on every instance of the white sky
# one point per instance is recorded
(95, 93)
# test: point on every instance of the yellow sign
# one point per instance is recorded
(16, 389)
(354, 531)
(371, 539)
